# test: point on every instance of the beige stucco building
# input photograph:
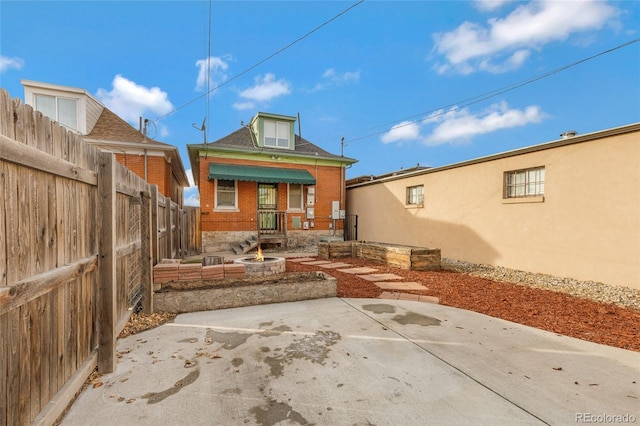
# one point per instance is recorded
(569, 208)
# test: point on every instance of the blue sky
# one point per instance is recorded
(402, 81)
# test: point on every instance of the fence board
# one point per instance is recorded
(6, 115)
(13, 366)
(3, 240)
(24, 400)
(36, 349)
(11, 222)
(107, 295)
(23, 231)
(4, 372)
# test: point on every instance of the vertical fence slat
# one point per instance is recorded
(169, 226)
(11, 222)
(154, 224)
(35, 355)
(4, 372)
(107, 265)
(6, 115)
(24, 399)
(13, 366)
(3, 240)
(146, 253)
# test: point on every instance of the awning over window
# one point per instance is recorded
(260, 174)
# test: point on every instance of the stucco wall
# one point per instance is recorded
(587, 227)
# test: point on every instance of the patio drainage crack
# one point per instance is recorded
(458, 369)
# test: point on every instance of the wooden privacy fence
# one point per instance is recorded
(79, 235)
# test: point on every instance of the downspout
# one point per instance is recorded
(146, 164)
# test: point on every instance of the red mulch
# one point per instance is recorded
(544, 309)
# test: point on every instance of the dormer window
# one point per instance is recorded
(277, 134)
(62, 110)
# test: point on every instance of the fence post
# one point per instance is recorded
(154, 224)
(146, 247)
(169, 225)
(107, 316)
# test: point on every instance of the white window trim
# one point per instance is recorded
(413, 205)
(81, 101)
(226, 209)
(276, 123)
(301, 207)
(526, 198)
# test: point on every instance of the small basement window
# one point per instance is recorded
(415, 195)
(524, 183)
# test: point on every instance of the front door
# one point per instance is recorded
(267, 206)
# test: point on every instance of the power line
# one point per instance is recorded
(257, 64)
(436, 112)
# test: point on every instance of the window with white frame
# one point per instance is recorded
(295, 196)
(62, 110)
(226, 195)
(276, 134)
(415, 195)
(524, 183)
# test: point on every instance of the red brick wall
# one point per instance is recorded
(328, 183)
(158, 171)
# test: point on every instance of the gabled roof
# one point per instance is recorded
(243, 141)
(110, 127)
(111, 131)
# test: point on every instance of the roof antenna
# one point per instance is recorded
(203, 129)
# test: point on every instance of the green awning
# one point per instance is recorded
(260, 174)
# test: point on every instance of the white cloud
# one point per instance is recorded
(191, 193)
(189, 173)
(131, 101)
(528, 27)
(191, 197)
(513, 62)
(217, 67)
(7, 63)
(341, 78)
(266, 88)
(332, 78)
(489, 5)
(400, 132)
(243, 105)
(460, 125)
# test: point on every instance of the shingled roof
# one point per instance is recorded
(110, 127)
(242, 139)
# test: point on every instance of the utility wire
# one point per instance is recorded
(254, 66)
(484, 96)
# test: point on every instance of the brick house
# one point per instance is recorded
(74, 108)
(264, 183)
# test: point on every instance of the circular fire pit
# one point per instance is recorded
(261, 268)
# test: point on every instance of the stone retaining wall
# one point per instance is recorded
(406, 257)
(180, 297)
